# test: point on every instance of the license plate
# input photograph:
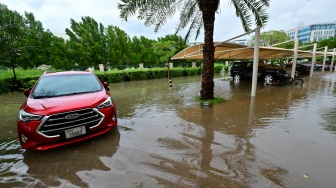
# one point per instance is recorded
(70, 133)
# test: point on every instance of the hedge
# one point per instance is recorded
(27, 78)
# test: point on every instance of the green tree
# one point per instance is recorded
(40, 44)
(60, 58)
(330, 42)
(269, 38)
(12, 34)
(25, 43)
(119, 47)
(87, 43)
(143, 52)
(12, 38)
(178, 43)
(198, 14)
(166, 47)
(164, 51)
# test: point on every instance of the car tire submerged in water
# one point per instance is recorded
(237, 77)
(268, 78)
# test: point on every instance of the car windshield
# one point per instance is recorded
(69, 84)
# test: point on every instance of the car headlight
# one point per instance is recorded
(27, 117)
(107, 103)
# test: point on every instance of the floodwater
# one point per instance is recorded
(283, 137)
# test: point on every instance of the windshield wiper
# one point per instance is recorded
(44, 96)
(76, 93)
(66, 94)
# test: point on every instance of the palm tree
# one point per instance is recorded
(195, 14)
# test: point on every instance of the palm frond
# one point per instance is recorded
(128, 8)
(265, 2)
(190, 12)
(258, 10)
(243, 13)
(195, 26)
(244, 8)
(159, 11)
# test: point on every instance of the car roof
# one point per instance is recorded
(48, 73)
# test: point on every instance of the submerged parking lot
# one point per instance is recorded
(284, 137)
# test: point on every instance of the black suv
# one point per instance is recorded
(268, 73)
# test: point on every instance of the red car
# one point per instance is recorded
(63, 108)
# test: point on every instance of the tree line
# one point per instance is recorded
(25, 43)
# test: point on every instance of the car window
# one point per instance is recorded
(237, 65)
(51, 86)
(240, 64)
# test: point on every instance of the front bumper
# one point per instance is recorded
(30, 137)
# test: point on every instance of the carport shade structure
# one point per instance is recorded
(228, 50)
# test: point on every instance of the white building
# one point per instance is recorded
(314, 32)
(240, 41)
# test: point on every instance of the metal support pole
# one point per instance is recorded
(255, 62)
(296, 46)
(169, 77)
(332, 60)
(325, 57)
(313, 61)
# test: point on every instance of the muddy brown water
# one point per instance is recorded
(283, 137)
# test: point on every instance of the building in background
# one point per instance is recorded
(314, 32)
(240, 41)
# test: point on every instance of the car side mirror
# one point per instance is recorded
(26, 92)
(106, 86)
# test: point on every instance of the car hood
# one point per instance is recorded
(47, 106)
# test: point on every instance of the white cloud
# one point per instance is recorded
(56, 14)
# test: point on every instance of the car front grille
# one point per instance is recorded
(56, 124)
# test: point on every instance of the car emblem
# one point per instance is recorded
(72, 116)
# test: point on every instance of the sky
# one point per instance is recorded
(55, 15)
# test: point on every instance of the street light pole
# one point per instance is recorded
(14, 82)
(13, 67)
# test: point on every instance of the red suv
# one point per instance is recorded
(63, 108)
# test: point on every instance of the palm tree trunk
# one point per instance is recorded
(208, 8)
